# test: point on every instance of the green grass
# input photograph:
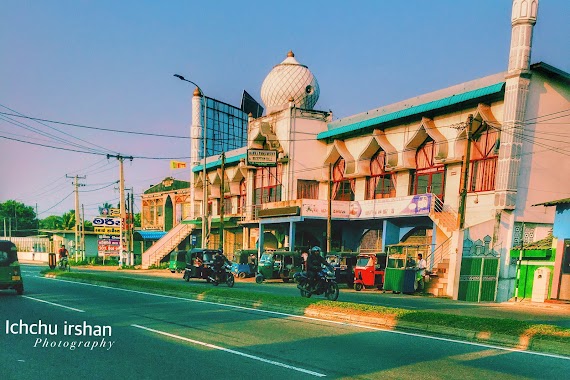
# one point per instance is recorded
(299, 305)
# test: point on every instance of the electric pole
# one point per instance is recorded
(76, 184)
(222, 199)
(465, 179)
(121, 198)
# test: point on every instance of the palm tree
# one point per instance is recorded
(68, 220)
(105, 205)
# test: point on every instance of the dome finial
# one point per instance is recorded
(290, 53)
(197, 92)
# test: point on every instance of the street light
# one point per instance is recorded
(204, 180)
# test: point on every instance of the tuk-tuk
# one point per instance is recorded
(278, 264)
(10, 273)
(343, 264)
(246, 263)
(199, 263)
(369, 270)
(177, 261)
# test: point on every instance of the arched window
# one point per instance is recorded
(429, 176)
(483, 159)
(267, 185)
(343, 188)
(380, 184)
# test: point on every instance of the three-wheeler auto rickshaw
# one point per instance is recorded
(10, 273)
(199, 264)
(343, 264)
(369, 271)
(245, 264)
(177, 261)
(278, 264)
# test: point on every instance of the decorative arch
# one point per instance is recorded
(337, 151)
(376, 142)
(482, 118)
(426, 129)
(264, 138)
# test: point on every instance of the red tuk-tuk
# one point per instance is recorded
(369, 270)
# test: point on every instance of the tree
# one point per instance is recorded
(105, 205)
(138, 219)
(20, 219)
(52, 222)
(68, 220)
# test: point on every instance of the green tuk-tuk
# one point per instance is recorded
(10, 273)
(278, 264)
(177, 261)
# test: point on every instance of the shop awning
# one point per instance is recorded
(144, 235)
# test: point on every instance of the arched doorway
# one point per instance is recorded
(168, 214)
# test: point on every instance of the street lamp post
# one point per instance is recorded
(204, 179)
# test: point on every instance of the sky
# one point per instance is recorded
(110, 65)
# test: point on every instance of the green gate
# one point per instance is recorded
(478, 278)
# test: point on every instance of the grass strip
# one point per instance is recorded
(299, 305)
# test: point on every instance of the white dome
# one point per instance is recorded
(287, 80)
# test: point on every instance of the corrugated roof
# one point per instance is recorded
(412, 111)
(150, 235)
(554, 203)
(217, 163)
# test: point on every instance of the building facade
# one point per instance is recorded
(450, 174)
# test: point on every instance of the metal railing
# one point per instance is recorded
(439, 254)
(167, 243)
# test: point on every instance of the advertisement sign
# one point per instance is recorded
(259, 157)
(369, 209)
(108, 230)
(102, 221)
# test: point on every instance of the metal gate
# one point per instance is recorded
(478, 279)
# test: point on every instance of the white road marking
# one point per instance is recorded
(55, 304)
(213, 346)
(327, 321)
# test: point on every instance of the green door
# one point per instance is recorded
(478, 279)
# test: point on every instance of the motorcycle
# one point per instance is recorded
(223, 275)
(325, 284)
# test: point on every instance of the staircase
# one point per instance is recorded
(444, 216)
(438, 267)
(165, 245)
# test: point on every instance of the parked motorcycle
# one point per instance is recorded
(223, 275)
(325, 284)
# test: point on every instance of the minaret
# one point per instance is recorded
(516, 91)
(195, 145)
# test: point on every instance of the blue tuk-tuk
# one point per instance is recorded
(245, 264)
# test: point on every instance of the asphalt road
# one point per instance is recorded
(167, 337)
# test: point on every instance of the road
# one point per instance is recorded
(158, 336)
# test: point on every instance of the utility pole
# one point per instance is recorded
(329, 214)
(77, 217)
(465, 179)
(83, 232)
(132, 229)
(222, 199)
(121, 198)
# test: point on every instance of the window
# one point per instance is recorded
(429, 176)
(380, 184)
(483, 160)
(242, 196)
(343, 188)
(307, 189)
(267, 185)
(228, 205)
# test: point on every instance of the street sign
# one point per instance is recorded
(260, 157)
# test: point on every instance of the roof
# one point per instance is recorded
(168, 184)
(218, 163)
(551, 71)
(150, 235)
(337, 130)
(554, 203)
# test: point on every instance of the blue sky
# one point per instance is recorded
(109, 64)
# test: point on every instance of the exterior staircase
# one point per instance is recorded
(444, 216)
(438, 267)
(165, 245)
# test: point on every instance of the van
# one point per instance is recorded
(10, 273)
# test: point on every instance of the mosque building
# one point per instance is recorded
(450, 174)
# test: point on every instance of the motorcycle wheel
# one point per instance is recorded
(259, 278)
(230, 280)
(332, 291)
(305, 293)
